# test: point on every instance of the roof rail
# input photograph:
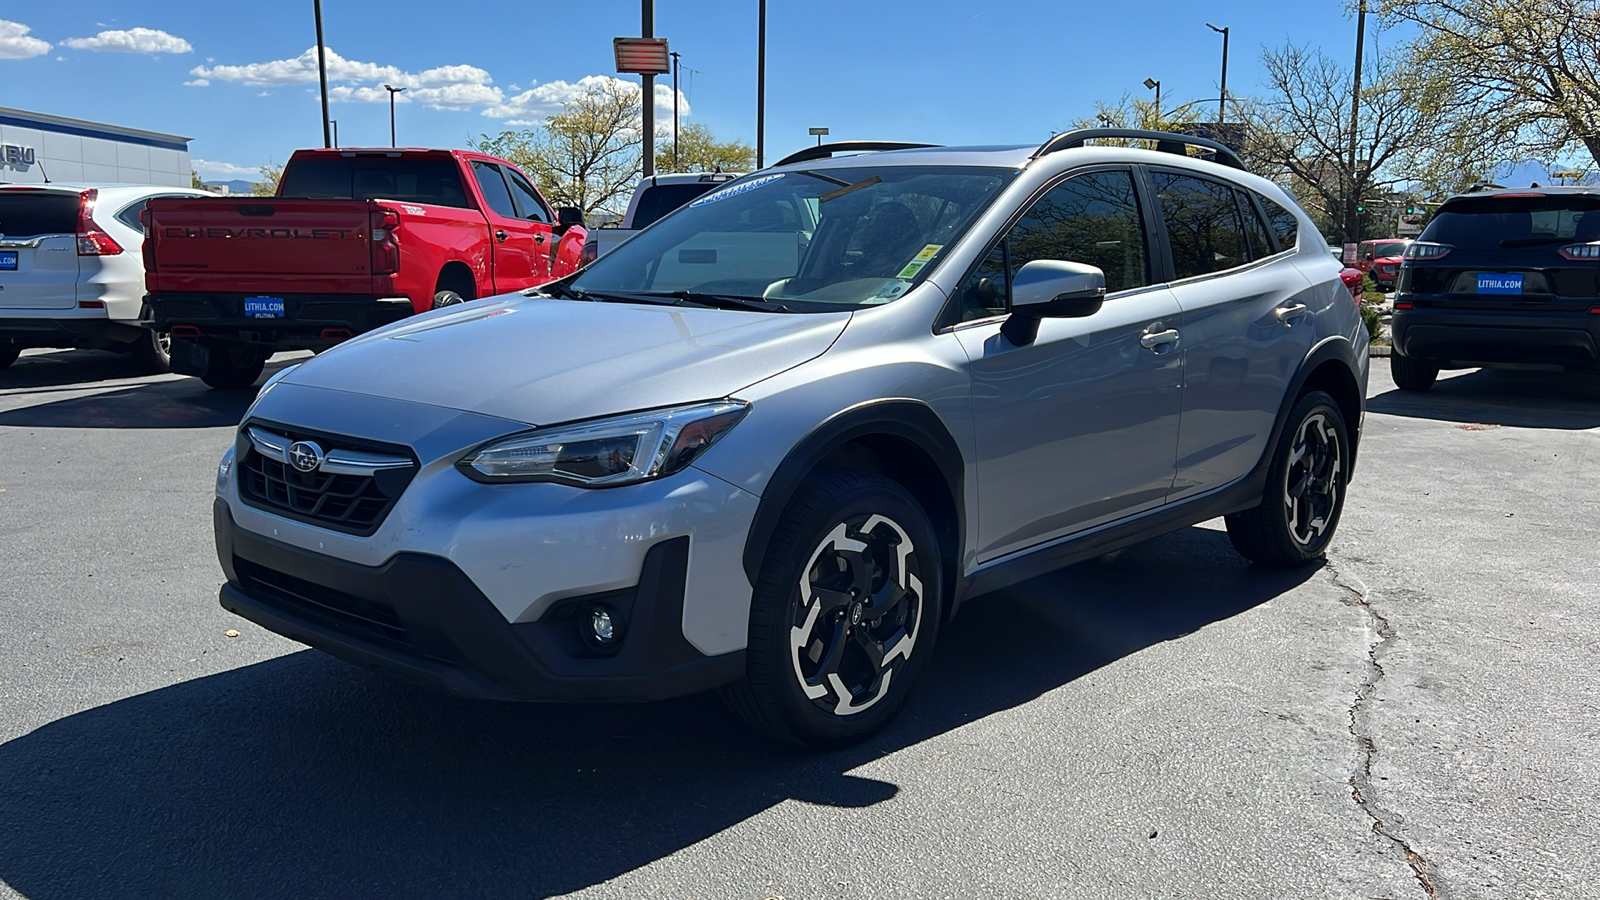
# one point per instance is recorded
(1166, 141)
(824, 151)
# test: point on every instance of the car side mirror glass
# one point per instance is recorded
(568, 216)
(1051, 289)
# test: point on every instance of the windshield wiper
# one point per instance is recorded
(723, 301)
(558, 289)
(1535, 241)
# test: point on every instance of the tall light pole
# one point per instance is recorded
(647, 29)
(1222, 101)
(761, 84)
(322, 72)
(1352, 220)
(392, 91)
(1155, 85)
(675, 110)
(335, 131)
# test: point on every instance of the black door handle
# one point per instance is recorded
(538, 238)
(500, 235)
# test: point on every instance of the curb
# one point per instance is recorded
(1377, 350)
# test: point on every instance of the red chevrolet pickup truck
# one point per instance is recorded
(353, 240)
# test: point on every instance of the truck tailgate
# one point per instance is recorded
(229, 244)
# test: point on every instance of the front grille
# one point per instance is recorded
(352, 491)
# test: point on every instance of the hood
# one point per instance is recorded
(543, 361)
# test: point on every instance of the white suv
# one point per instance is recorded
(71, 270)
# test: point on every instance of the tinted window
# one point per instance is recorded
(130, 215)
(1203, 226)
(494, 189)
(29, 213)
(1091, 219)
(1253, 228)
(527, 198)
(1482, 224)
(1284, 224)
(1388, 249)
(664, 198)
(432, 181)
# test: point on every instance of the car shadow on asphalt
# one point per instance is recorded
(163, 403)
(301, 776)
(1512, 397)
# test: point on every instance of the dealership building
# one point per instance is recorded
(35, 148)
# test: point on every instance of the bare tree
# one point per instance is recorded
(1530, 67)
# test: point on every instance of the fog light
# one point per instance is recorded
(601, 626)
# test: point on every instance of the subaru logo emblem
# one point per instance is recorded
(305, 456)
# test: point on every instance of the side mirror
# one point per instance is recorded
(1051, 289)
(1369, 257)
(568, 216)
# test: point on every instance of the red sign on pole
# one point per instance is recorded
(641, 56)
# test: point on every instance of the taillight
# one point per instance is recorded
(1425, 250)
(91, 240)
(1581, 251)
(385, 241)
(1402, 304)
(591, 252)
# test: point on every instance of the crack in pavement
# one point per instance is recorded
(1362, 790)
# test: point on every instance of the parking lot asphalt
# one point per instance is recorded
(1418, 717)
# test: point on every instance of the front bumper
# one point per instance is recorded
(309, 321)
(420, 617)
(1466, 337)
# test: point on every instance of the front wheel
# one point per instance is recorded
(230, 367)
(446, 298)
(845, 612)
(1296, 519)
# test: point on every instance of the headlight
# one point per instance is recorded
(607, 452)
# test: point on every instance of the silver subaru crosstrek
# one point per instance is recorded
(774, 441)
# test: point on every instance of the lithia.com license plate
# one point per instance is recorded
(263, 307)
(1498, 283)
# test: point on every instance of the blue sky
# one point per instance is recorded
(936, 71)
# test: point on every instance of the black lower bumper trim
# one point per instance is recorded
(421, 617)
(94, 333)
(1498, 336)
(305, 321)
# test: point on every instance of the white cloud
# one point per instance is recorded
(533, 106)
(198, 82)
(15, 43)
(302, 69)
(212, 167)
(133, 40)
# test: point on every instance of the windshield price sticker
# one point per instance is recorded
(737, 189)
(921, 259)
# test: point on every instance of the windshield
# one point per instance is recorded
(839, 238)
(1494, 222)
(1384, 251)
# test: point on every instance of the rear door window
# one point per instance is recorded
(494, 189)
(432, 181)
(32, 213)
(1203, 225)
(1493, 223)
(528, 201)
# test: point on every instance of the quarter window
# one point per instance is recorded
(1284, 224)
(494, 189)
(1203, 225)
(1260, 244)
(1092, 219)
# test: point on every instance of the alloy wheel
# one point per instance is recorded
(859, 615)
(1311, 479)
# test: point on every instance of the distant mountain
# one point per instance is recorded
(236, 186)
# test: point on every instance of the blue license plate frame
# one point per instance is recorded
(263, 307)
(8, 260)
(1499, 282)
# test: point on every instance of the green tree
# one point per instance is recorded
(194, 180)
(588, 155)
(1528, 67)
(268, 185)
(698, 150)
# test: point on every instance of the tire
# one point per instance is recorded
(1297, 517)
(814, 684)
(1412, 374)
(230, 367)
(152, 354)
(9, 354)
(446, 298)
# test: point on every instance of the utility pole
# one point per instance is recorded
(761, 84)
(647, 29)
(1352, 218)
(335, 132)
(322, 73)
(675, 140)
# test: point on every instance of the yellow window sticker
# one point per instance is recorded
(921, 259)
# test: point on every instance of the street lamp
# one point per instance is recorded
(392, 91)
(1223, 100)
(335, 131)
(674, 54)
(761, 84)
(322, 70)
(1155, 85)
